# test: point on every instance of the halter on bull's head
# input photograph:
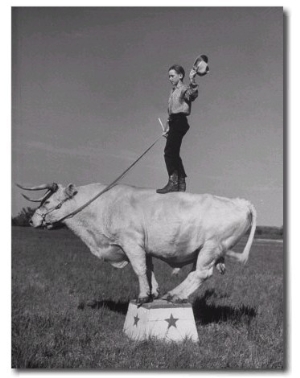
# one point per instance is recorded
(49, 211)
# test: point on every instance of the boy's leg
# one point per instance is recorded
(177, 130)
(172, 150)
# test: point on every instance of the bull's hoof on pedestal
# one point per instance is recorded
(156, 295)
(174, 299)
(141, 301)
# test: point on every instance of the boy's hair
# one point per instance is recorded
(179, 69)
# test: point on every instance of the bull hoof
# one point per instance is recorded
(174, 299)
(156, 295)
(142, 300)
(167, 297)
(183, 300)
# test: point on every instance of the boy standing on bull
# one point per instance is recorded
(179, 109)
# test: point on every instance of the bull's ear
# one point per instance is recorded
(71, 190)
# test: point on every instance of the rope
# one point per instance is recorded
(108, 187)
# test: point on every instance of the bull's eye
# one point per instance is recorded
(46, 202)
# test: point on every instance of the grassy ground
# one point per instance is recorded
(68, 310)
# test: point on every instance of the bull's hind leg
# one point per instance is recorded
(204, 269)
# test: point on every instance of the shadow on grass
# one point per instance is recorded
(204, 312)
(210, 313)
(120, 307)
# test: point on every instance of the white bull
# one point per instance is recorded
(128, 224)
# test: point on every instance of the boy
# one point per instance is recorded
(179, 108)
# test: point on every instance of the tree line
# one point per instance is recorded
(23, 218)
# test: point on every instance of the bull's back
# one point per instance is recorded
(174, 221)
(184, 221)
(178, 207)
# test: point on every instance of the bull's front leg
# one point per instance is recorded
(137, 258)
(151, 278)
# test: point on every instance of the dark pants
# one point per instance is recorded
(178, 127)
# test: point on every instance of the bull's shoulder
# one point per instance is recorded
(90, 190)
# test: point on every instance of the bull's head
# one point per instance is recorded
(53, 204)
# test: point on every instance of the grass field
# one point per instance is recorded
(68, 310)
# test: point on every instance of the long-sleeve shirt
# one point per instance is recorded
(181, 97)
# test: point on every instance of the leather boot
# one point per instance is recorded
(172, 185)
(181, 184)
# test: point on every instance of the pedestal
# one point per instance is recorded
(162, 320)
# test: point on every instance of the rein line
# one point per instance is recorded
(114, 183)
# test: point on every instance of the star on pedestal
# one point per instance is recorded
(172, 321)
(136, 319)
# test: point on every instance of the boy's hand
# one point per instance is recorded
(166, 130)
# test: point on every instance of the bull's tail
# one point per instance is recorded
(243, 257)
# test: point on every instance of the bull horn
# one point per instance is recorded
(39, 199)
(29, 199)
(53, 187)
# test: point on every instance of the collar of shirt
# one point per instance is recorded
(178, 86)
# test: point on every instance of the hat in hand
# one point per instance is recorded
(201, 66)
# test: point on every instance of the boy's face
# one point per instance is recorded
(174, 77)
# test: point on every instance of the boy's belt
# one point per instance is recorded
(177, 115)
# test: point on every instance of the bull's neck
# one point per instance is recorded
(85, 226)
(84, 220)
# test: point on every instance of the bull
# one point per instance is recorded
(131, 225)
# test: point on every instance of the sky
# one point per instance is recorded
(88, 86)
